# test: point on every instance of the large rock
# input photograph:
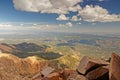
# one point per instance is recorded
(88, 64)
(98, 73)
(80, 77)
(53, 76)
(114, 73)
(76, 76)
(46, 71)
(66, 73)
(37, 76)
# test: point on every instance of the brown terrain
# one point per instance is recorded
(14, 68)
(6, 48)
(30, 68)
(19, 48)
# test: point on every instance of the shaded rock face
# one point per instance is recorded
(76, 76)
(87, 64)
(53, 76)
(98, 73)
(66, 73)
(115, 67)
(93, 69)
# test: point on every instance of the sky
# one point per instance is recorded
(78, 16)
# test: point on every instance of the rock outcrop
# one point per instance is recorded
(87, 64)
(14, 68)
(89, 69)
(114, 72)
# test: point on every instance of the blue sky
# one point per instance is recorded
(89, 16)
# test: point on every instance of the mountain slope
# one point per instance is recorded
(16, 68)
(70, 61)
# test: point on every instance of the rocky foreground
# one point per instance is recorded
(14, 68)
(88, 69)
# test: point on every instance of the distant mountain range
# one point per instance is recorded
(17, 48)
(28, 49)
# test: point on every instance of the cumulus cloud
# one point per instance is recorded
(62, 7)
(97, 13)
(69, 24)
(47, 6)
(75, 8)
(74, 18)
(62, 17)
(61, 25)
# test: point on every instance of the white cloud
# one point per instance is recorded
(74, 18)
(61, 25)
(101, 0)
(62, 17)
(14, 27)
(69, 24)
(35, 24)
(62, 7)
(97, 13)
(6, 26)
(46, 6)
(21, 24)
(75, 8)
(32, 5)
(46, 27)
(29, 26)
